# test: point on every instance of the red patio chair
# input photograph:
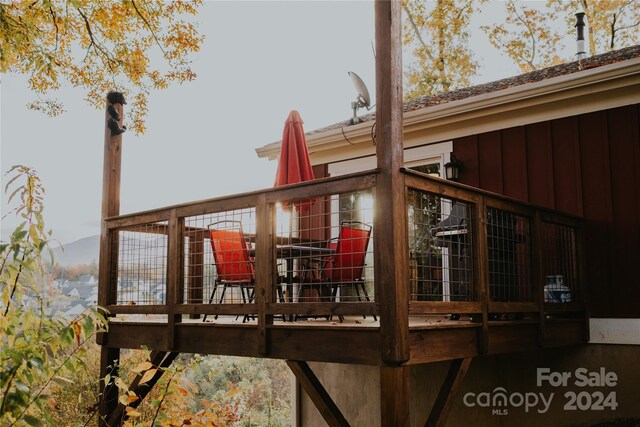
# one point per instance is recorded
(345, 266)
(234, 267)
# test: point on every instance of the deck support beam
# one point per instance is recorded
(109, 365)
(390, 219)
(395, 396)
(448, 392)
(317, 393)
(160, 361)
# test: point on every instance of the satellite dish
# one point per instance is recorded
(362, 101)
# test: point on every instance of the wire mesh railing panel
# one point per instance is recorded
(219, 257)
(509, 254)
(139, 260)
(560, 266)
(325, 248)
(441, 258)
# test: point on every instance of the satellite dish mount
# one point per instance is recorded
(362, 101)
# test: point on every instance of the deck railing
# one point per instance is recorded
(163, 262)
(470, 253)
(488, 256)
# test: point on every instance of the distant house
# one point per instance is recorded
(74, 311)
(79, 290)
(73, 293)
(88, 279)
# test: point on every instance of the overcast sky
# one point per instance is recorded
(259, 61)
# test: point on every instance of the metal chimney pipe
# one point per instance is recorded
(580, 40)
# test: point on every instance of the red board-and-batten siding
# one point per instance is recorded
(587, 165)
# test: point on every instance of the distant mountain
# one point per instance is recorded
(83, 251)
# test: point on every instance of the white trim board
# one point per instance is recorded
(432, 153)
(614, 331)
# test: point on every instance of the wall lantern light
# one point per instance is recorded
(452, 168)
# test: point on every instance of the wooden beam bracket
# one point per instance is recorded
(449, 390)
(317, 393)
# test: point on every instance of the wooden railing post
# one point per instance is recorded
(174, 275)
(196, 269)
(538, 278)
(109, 357)
(390, 218)
(482, 272)
(265, 269)
(582, 277)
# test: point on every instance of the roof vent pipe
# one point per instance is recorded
(580, 40)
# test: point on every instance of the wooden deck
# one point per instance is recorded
(498, 315)
(355, 341)
(180, 258)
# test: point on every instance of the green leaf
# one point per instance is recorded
(88, 326)
(36, 362)
(12, 180)
(33, 234)
(33, 421)
(22, 387)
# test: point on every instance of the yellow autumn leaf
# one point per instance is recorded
(77, 328)
(33, 234)
(131, 412)
(142, 367)
(182, 391)
(51, 402)
(121, 384)
(232, 392)
(148, 375)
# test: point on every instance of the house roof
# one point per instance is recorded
(521, 79)
(595, 83)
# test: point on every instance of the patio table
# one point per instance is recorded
(290, 253)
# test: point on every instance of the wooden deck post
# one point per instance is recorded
(395, 397)
(390, 219)
(482, 273)
(265, 269)
(538, 278)
(109, 356)
(196, 269)
(175, 275)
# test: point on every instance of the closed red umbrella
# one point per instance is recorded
(294, 165)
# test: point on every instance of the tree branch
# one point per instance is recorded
(629, 26)
(531, 36)
(151, 30)
(6, 390)
(54, 18)
(15, 285)
(164, 395)
(97, 46)
(418, 35)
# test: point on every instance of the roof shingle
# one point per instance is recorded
(531, 77)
